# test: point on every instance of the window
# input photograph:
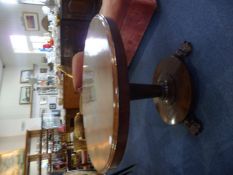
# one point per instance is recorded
(37, 42)
(31, 44)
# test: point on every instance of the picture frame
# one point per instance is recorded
(25, 95)
(43, 70)
(31, 21)
(56, 113)
(25, 76)
(52, 106)
(51, 122)
(47, 91)
(43, 100)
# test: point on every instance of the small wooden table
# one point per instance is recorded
(105, 95)
(106, 92)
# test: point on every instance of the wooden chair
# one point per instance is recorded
(132, 18)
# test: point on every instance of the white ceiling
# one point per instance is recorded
(11, 22)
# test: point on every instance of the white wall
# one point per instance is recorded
(12, 114)
(9, 96)
(11, 143)
(17, 127)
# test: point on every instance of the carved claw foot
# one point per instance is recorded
(184, 50)
(193, 124)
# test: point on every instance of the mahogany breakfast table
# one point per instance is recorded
(106, 93)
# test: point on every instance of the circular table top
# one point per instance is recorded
(105, 94)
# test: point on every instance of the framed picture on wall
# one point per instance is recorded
(51, 122)
(56, 113)
(52, 106)
(25, 76)
(47, 91)
(31, 21)
(25, 95)
(43, 70)
(43, 100)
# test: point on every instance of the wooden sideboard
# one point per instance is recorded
(75, 18)
(71, 98)
(70, 103)
(80, 9)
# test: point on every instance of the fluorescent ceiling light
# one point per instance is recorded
(9, 1)
(45, 10)
(19, 43)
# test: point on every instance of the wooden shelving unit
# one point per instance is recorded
(47, 150)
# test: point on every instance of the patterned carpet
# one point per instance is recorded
(158, 149)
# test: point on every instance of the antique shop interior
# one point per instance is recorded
(43, 129)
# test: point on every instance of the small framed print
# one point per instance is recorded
(43, 70)
(25, 95)
(31, 21)
(56, 113)
(47, 91)
(43, 100)
(52, 106)
(25, 76)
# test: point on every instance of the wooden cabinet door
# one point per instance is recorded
(80, 9)
(70, 97)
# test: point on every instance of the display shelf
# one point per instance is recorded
(46, 91)
(45, 153)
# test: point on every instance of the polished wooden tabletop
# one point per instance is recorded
(105, 94)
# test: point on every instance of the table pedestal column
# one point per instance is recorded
(140, 91)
